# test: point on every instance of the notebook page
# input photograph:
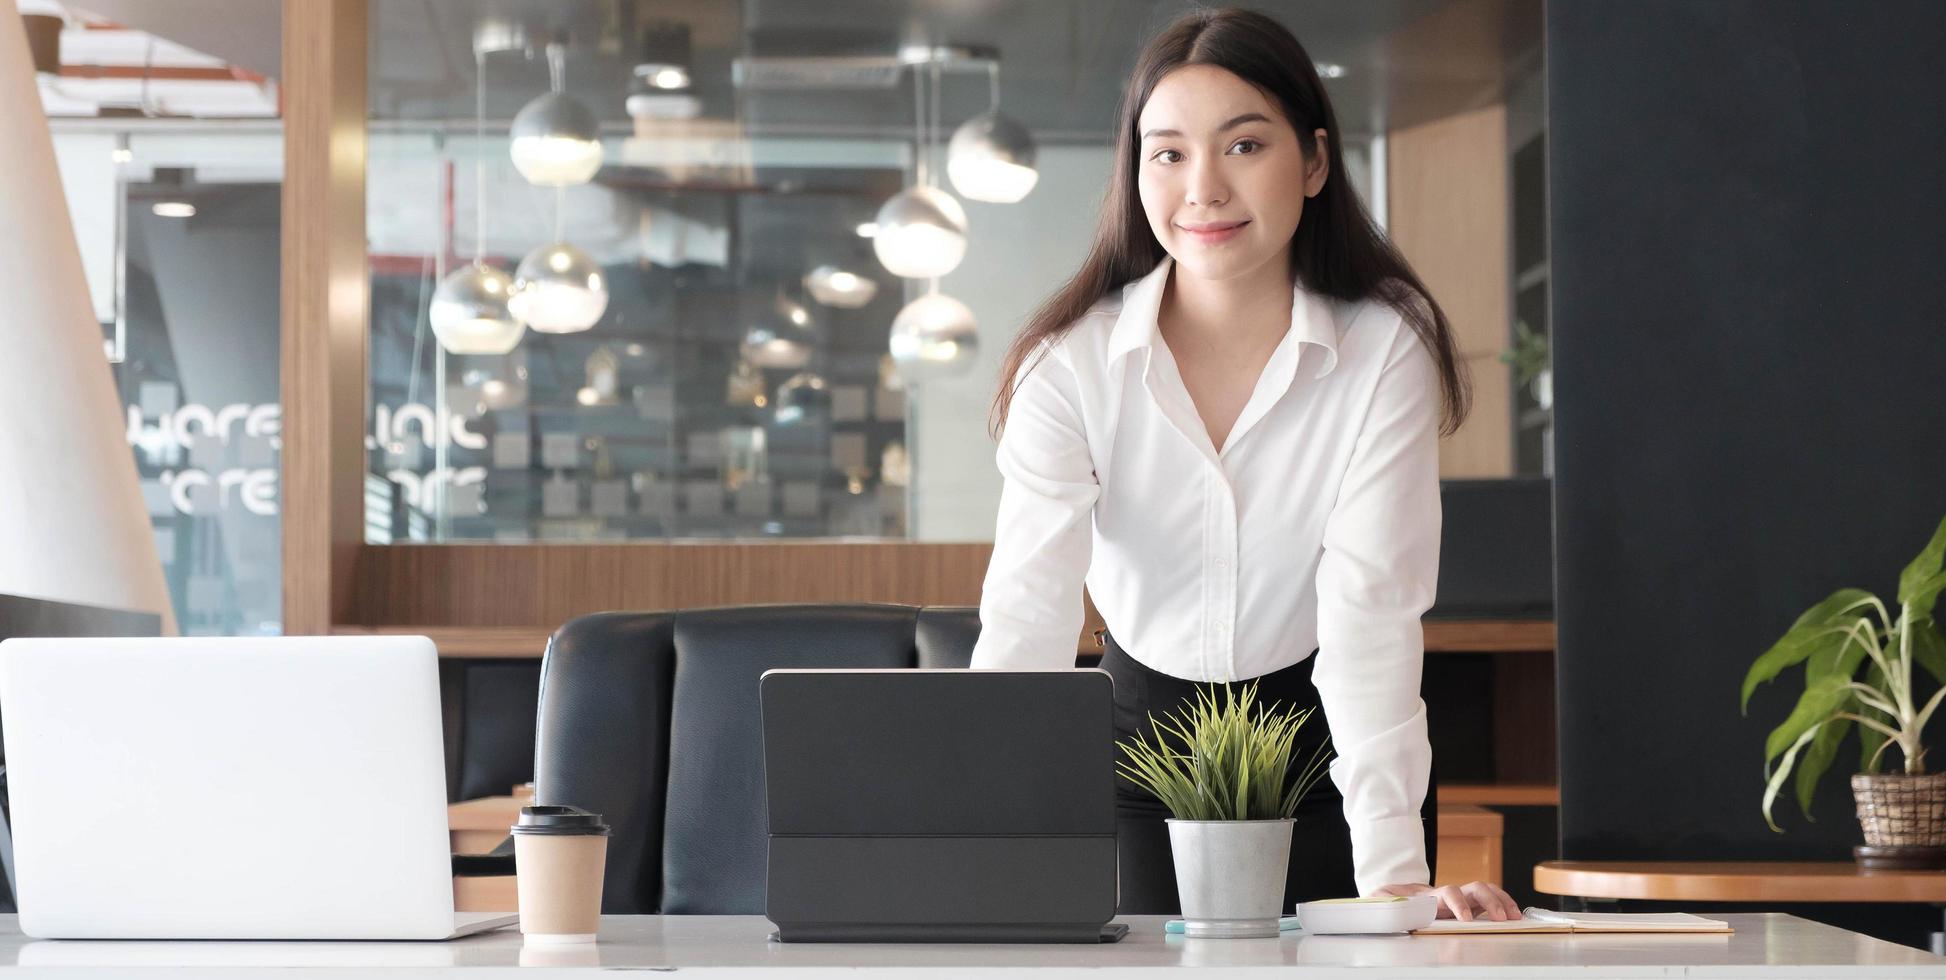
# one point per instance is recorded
(1629, 921)
(1528, 924)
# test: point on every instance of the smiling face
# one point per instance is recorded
(1221, 174)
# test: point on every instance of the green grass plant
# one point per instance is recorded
(1227, 759)
(1858, 671)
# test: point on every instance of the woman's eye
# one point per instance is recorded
(1253, 145)
(1166, 156)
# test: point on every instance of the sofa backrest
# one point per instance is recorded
(651, 719)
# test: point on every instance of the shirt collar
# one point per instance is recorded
(1136, 326)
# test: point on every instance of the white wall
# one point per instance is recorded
(1017, 254)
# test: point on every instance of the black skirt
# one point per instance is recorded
(1320, 865)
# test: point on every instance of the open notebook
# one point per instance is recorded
(1546, 920)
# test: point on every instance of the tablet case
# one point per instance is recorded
(940, 805)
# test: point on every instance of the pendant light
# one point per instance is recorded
(833, 286)
(559, 288)
(991, 156)
(556, 140)
(469, 313)
(804, 397)
(781, 338)
(921, 230)
(935, 336)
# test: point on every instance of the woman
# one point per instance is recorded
(1228, 422)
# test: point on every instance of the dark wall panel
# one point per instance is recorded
(1748, 222)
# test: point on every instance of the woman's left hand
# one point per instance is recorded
(1464, 902)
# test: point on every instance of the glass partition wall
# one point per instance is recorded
(746, 270)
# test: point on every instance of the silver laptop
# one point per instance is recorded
(195, 788)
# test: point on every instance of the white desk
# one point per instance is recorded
(1765, 945)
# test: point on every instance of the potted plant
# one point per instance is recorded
(1223, 769)
(1858, 673)
(1529, 358)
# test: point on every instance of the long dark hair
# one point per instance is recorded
(1336, 250)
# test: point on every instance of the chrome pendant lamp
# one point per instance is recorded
(840, 287)
(556, 139)
(559, 288)
(935, 336)
(921, 230)
(469, 312)
(991, 156)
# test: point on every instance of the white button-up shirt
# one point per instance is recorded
(1315, 527)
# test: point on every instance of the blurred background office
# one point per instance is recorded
(526, 310)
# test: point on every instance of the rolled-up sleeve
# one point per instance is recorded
(1375, 579)
(1030, 603)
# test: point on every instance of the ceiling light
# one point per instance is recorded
(783, 339)
(769, 347)
(833, 286)
(497, 394)
(558, 289)
(663, 55)
(868, 230)
(921, 233)
(665, 77)
(556, 140)
(1330, 69)
(469, 313)
(173, 209)
(802, 396)
(991, 158)
(935, 336)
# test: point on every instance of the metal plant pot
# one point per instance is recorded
(1230, 875)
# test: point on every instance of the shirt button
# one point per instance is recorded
(1222, 564)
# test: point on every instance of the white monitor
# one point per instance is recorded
(235, 788)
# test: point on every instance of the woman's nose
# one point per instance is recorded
(1206, 187)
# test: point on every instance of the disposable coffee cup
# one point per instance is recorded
(559, 853)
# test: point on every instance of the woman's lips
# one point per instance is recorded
(1212, 232)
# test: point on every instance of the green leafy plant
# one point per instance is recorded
(1223, 761)
(1837, 638)
(1528, 355)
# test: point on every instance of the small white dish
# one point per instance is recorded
(1367, 915)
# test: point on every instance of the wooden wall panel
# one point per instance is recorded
(1448, 210)
(325, 298)
(469, 594)
(545, 585)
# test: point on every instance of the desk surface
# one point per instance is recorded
(1737, 881)
(1764, 945)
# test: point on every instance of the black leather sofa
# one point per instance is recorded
(652, 720)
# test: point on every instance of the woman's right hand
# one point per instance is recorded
(1463, 902)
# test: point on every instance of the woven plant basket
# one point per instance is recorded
(1897, 810)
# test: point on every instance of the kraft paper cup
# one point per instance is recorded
(559, 855)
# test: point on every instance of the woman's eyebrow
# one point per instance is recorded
(1248, 117)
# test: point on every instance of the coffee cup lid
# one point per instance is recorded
(560, 821)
